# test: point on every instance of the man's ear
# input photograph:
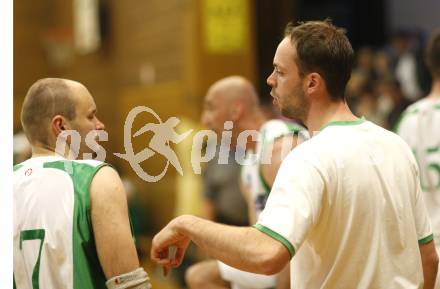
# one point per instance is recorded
(314, 83)
(236, 111)
(58, 124)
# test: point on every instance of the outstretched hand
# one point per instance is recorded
(169, 237)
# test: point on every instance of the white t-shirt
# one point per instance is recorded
(420, 128)
(347, 203)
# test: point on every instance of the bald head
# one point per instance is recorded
(45, 99)
(230, 99)
(235, 89)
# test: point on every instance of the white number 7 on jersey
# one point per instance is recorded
(37, 234)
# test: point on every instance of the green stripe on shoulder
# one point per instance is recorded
(404, 115)
(17, 167)
(71, 166)
(426, 240)
(266, 186)
(411, 110)
(66, 166)
(277, 237)
(294, 128)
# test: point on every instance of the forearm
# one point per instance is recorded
(245, 248)
(429, 264)
(429, 274)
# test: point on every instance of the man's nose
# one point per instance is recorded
(270, 80)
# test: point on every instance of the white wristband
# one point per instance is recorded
(136, 279)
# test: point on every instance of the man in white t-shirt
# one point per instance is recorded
(346, 205)
(420, 128)
(235, 99)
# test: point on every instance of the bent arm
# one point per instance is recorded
(245, 248)
(111, 227)
(429, 264)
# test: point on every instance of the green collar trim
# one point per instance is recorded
(344, 123)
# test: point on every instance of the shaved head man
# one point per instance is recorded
(235, 99)
(232, 99)
(69, 209)
(54, 105)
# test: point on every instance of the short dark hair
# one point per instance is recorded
(45, 98)
(323, 48)
(433, 54)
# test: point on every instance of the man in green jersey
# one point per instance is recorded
(71, 225)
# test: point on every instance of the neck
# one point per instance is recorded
(40, 150)
(324, 112)
(435, 90)
(253, 122)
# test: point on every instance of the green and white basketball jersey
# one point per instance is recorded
(420, 128)
(53, 239)
(251, 177)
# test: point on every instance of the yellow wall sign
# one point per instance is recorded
(225, 25)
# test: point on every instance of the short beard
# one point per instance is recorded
(299, 109)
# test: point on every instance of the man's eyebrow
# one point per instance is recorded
(277, 65)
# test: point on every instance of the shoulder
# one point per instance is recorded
(74, 166)
(281, 125)
(107, 185)
(306, 152)
(17, 167)
(388, 143)
(106, 175)
(276, 128)
(82, 172)
(335, 142)
(410, 114)
(273, 124)
(89, 167)
(90, 163)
